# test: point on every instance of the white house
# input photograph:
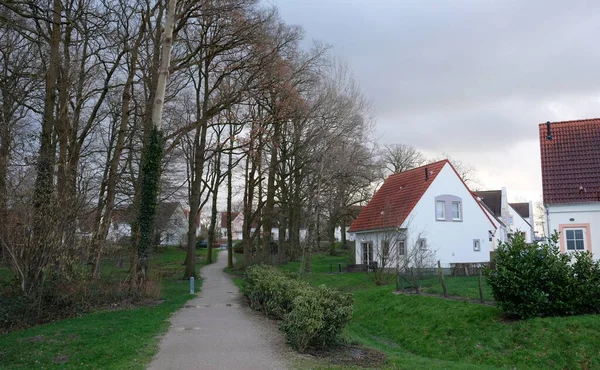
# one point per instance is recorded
(511, 218)
(337, 234)
(429, 207)
(571, 183)
(237, 227)
(170, 226)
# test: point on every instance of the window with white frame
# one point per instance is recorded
(476, 245)
(401, 248)
(575, 239)
(422, 244)
(385, 250)
(440, 210)
(456, 211)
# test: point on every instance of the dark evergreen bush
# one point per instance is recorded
(537, 280)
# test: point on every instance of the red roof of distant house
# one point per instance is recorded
(571, 161)
(396, 198)
(224, 218)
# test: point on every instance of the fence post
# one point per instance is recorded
(414, 278)
(480, 286)
(442, 279)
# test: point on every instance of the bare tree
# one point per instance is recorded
(398, 158)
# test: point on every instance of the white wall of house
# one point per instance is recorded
(584, 216)
(237, 226)
(337, 234)
(452, 241)
(518, 223)
(117, 231)
(497, 234)
(175, 231)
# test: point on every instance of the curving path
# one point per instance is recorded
(217, 330)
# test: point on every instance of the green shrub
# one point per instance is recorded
(538, 280)
(310, 316)
(238, 247)
(586, 280)
(304, 321)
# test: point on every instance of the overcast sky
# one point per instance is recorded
(470, 78)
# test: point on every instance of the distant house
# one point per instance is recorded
(171, 224)
(431, 208)
(513, 217)
(237, 227)
(570, 157)
(351, 214)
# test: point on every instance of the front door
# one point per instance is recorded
(367, 253)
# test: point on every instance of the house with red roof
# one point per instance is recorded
(570, 157)
(237, 225)
(511, 218)
(429, 207)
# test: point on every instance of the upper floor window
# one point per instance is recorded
(440, 210)
(448, 208)
(456, 211)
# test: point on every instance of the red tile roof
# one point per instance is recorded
(224, 218)
(396, 198)
(571, 161)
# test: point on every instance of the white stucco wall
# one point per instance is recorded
(519, 224)
(176, 228)
(452, 241)
(582, 214)
(338, 234)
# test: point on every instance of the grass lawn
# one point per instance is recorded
(433, 333)
(121, 339)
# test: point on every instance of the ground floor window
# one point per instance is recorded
(402, 248)
(575, 239)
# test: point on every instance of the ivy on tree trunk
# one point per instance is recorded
(150, 184)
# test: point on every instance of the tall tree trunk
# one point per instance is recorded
(152, 153)
(343, 234)
(267, 214)
(214, 210)
(195, 195)
(229, 195)
(44, 182)
(248, 200)
(5, 145)
(331, 225)
(104, 215)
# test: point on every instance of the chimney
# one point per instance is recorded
(426, 174)
(548, 133)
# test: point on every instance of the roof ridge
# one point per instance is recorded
(420, 167)
(584, 120)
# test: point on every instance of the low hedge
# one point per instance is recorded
(311, 317)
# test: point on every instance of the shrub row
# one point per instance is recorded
(311, 317)
(537, 280)
(61, 299)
